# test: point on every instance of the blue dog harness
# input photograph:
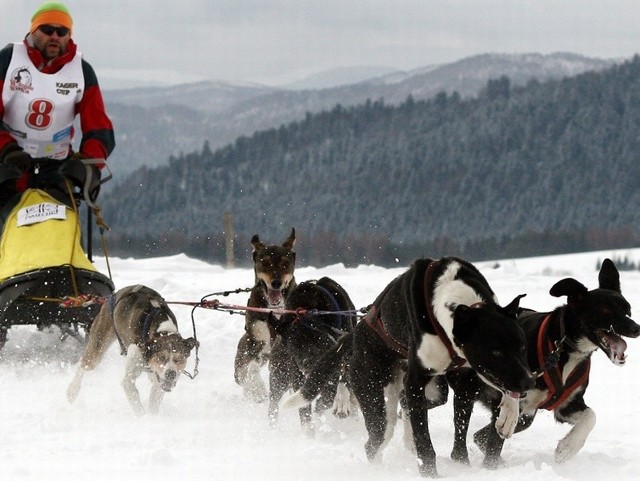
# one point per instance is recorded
(112, 303)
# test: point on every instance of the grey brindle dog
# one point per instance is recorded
(147, 330)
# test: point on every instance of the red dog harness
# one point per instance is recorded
(559, 391)
(374, 321)
(456, 360)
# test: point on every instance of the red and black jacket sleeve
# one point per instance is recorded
(98, 140)
(5, 58)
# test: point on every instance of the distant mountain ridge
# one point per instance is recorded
(514, 171)
(153, 124)
(339, 77)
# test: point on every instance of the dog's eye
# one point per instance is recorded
(496, 353)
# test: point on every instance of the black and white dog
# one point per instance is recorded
(303, 338)
(438, 315)
(560, 344)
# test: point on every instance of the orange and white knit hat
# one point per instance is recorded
(51, 13)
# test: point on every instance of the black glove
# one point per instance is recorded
(75, 170)
(12, 154)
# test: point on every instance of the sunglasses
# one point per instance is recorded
(49, 29)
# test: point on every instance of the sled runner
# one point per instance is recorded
(46, 278)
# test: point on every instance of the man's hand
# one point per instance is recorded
(12, 154)
(74, 169)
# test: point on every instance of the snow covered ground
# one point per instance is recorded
(206, 430)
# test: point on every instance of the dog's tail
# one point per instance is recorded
(328, 366)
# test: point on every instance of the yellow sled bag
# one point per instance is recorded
(40, 232)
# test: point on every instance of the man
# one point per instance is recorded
(44, 84)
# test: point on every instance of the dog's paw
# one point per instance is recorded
(408, 442)
(74, 386)
(508, 417)
(254, 388)
(309, 429)
(342, 402)
(255, 393)
(460, 455)
(573, 442)
(407, 432)
(341, 412)
(566, 449)
(295, 401)
(569, 446)
(493, 462)
(72, 392)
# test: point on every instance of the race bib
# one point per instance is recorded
(40, 213)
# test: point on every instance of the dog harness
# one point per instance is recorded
(548, 352)
(375, 322)
(333, 330)
(339, 317)
(112, 303)
(112, 309)
(456, 360)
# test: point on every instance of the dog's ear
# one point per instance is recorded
(257, 245)
(609, 278)
(464, 324)
(190, 343)
(511, 309)
(291, 240)
(568, 287)
(451, 306)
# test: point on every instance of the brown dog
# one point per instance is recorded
(139, 318)
(274, 279)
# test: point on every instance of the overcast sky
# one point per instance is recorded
(274, 42)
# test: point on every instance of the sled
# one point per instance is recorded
(46, 277)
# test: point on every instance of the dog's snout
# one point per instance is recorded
(276, 283)
(634, 330)
(171, 375)
(528, 382)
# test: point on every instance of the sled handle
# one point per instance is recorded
(88, 163)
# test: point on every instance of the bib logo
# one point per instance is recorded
(21, 80)
(64, 88)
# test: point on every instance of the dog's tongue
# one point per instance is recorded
(514, 394)
(275, 296)
(617, 347)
